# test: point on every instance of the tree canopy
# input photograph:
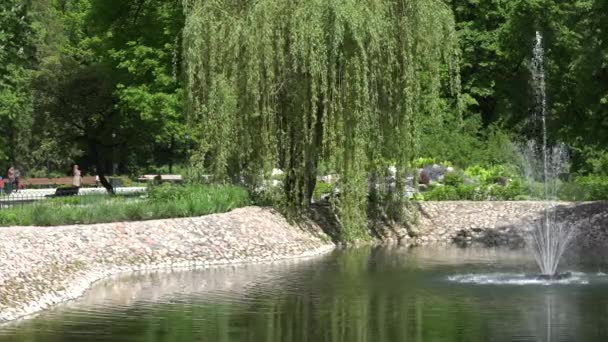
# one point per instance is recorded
(237, 88)
(290, 83)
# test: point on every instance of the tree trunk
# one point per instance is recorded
(171, 155)
(99, 165)
(312, 160)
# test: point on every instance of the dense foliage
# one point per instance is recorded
(351, 88)
(290, 83)
(90, 82)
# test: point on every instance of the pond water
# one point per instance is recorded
(369, 294)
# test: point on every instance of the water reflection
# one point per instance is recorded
(352, 296)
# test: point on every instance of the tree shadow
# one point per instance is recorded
(321, 215)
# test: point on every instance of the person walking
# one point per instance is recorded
(77, 180)
(17, 179)
(10, 176)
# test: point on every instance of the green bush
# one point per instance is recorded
(166, 201)
(490, 175)
(470, 192)
(422, 162)
(321, 189)
(477, 172)
(453, 178)
(595, 186)
(477, 192)
(200, 199)
(592, 160)
(269, 196)
(503, 193)
(442, 193)
(585, 188)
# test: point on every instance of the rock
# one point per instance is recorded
(424, 177)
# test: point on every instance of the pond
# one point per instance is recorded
(367, 294)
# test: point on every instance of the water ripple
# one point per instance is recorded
(577, 278)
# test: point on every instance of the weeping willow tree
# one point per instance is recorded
(288, 83)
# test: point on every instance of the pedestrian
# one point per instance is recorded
(77, 180)
(17, 179)
(10, 176)
(1, 186)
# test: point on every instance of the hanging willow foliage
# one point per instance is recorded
(290, 82)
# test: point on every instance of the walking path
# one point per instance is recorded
(39, 194)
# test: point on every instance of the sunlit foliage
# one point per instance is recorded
(288, 83)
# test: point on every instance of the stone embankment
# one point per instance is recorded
(503, 223)
(42, 266)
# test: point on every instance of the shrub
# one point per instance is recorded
(470, 192)
(592, 160)
(491, 174)
(442, 193)
(422, 162)
(477, 192)
(478, 173)
(453, 178)
(502, 193)
(596, 187)
(585, 188)
(268, 196)
(321, 189)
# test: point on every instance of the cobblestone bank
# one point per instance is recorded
(40, 267)
(503, 223)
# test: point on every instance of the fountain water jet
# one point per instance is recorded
(549, 238)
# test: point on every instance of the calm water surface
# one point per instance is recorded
(374, 295)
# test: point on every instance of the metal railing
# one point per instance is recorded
(61, 197)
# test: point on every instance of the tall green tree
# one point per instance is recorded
(132, 112)
(284, 83)
(141, 41)
(479, 24)
(17, 59)
(589, 67)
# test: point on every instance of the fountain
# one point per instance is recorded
(550, 237)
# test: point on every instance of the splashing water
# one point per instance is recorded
(549, 238)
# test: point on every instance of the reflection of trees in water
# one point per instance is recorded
(355, 296)
(358, 298)
(365, 297)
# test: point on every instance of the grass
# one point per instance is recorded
(166, 201)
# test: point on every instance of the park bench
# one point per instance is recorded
(163, 178)
(54, 182)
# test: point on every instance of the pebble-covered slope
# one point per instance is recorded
(42, 266)
(495, 223)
